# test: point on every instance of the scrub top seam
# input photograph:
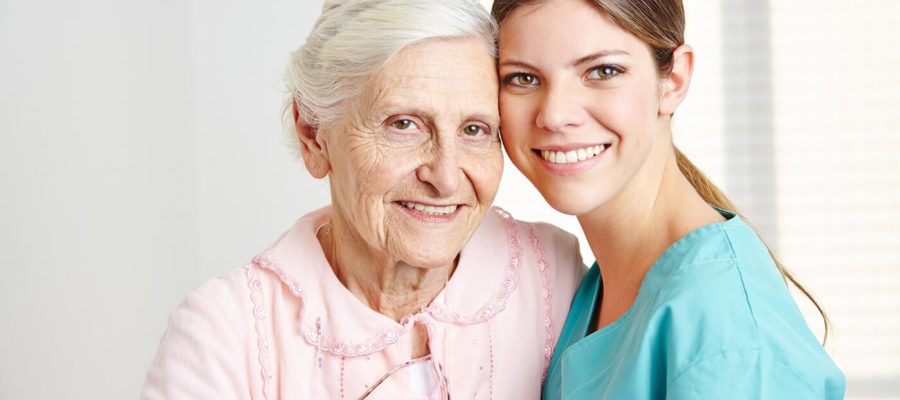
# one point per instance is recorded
(706, 358)
(737, 266)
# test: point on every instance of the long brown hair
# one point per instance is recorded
(660, 24)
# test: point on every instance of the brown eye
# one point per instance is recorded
(403, 124)
(603, 72)
(522, 79)
(473, 130)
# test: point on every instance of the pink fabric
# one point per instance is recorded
(284, 327)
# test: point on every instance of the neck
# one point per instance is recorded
(386, 285)
(629, 233)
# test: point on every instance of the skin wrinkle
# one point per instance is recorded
(391, 262)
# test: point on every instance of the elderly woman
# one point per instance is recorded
(409, 285)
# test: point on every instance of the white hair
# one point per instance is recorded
(353, 39)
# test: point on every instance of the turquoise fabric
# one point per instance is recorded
(713, 319)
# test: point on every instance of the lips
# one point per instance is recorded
(430, 210)
(574, 155)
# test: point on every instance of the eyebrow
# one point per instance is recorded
(579, 61)
(428, 114)
(392, 107)
(599, 54)
(490, 119)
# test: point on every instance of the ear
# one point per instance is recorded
(675, 86)
(311, 147)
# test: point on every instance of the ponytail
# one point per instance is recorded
(714, 196)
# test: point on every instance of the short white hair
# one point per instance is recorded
(353, 39)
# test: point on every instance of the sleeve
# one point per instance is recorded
(740, 374)
(203, 352)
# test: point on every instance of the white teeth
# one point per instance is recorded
(571, 156)
(431, 210)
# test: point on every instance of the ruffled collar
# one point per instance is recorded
(335, 321)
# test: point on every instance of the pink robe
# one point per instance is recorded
(284, 327)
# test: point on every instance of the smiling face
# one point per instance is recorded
(580, 103)
(418, 164)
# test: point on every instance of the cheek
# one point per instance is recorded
(516, 116)
(484, 169)
(632, 114)
(374, 169)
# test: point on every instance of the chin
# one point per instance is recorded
(429, 255)
(433, 262)
(571, 202)
(569, 207)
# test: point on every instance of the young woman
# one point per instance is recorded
(685, 300)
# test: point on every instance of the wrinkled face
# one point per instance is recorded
(579, 102)
(417, 168)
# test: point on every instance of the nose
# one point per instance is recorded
(558, 109)
(441, 169)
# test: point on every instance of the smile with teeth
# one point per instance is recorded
(430, 210)
(571, 156)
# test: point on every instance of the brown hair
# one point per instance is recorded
(660, 24)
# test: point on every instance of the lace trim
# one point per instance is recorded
(259, 313)
(501, 296)
(327, 343)
(547, 296)
(343, 361)
(491, 352)
(388, 336)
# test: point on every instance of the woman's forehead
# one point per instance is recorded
(573, 29)
(438, 76)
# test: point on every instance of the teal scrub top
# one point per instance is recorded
(713, 319)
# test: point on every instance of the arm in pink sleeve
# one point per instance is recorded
(203, 353)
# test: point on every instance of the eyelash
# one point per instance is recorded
(613, 71)
(512, 78)
(481, 130)
(509, 79)
(412, 125)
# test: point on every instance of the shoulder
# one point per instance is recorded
(543, 237)
(556, 248)
(557, 257)
(754, 374)
(714, 262)
(721, 272)
(553, 238)
(222, 302)
(695, 300)
(207, 343)
(720, 293)
(223, 289)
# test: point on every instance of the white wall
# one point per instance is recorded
(250, 187)
(141, 155)
(98, 205)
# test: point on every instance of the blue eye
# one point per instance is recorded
(522, 79)
(604, 72)
(473, 130)
(404, 124)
